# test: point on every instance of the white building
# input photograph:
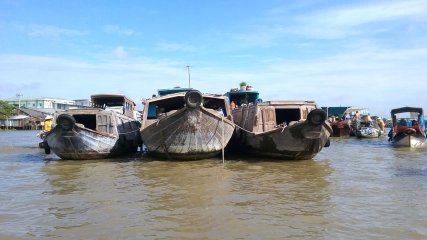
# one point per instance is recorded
(41, 102)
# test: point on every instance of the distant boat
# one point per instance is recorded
(184, 124)
(369, 132)
(341, 128)
(368, 128)
(278, 129)
(409, 130)
(106, 130)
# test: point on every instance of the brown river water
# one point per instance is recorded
(355, 189)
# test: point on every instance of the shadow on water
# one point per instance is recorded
(241, 198)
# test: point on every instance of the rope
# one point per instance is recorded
(243, 128)
(223, 159)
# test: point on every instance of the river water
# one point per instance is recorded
(355, 189)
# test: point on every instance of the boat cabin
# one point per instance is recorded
(167, 104)
(114, 102)
(407, 118)
(240, 98)
(99, 120)
(266, 116)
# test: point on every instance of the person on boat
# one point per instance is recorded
(47, 126)
(368, 121)
(356, 121)
(381, 124)
(232, 105)
(402, 122)
(356, 116)
(347, 116)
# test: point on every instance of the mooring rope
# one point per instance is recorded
(223, 159)
(243, 129)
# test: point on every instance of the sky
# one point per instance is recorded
(369, 54)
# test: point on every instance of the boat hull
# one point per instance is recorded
(296, 142)
(188, 134)
(341, 129)
(81, 144)
(75, 142)
(413, 141)
(368, 132)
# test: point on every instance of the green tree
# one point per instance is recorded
(6, 110)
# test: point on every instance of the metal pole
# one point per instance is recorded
(19, 99)
(189, 79)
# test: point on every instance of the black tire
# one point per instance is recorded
(316, 117)
(193, 99)
(328, 143)
(46, 148)
(66, 121)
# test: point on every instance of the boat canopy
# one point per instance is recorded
(167, 91)
(407, 109)
(243, 97)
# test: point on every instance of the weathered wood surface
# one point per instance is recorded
(188, 134)
(299, 141)
(259, 132)
(115, 135)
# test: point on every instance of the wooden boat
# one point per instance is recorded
(278, 129)
(409, 130)
(106, 130)
(185, 124)
(341, 128)
(369, 132)
(368, 128)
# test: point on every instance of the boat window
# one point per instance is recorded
(287, 115)
(108, 101)
(88, 120)
(164, 106)
(240, 98)
(215, 104)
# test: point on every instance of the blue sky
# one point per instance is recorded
(370, 54)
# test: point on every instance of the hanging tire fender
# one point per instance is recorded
(316, 117)
(193, 99)
(66, 121)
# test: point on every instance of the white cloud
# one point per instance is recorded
(74, 79)
(119, 52)
(175, 47)
(49, 31)
(345, 21)
(349, 20)
(118, 30)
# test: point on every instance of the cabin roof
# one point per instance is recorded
(182, 94)
(111, 95)
(407, 109)
(288, 102)
(335, 110)
(167, 91)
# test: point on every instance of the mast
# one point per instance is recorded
(189, 79)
